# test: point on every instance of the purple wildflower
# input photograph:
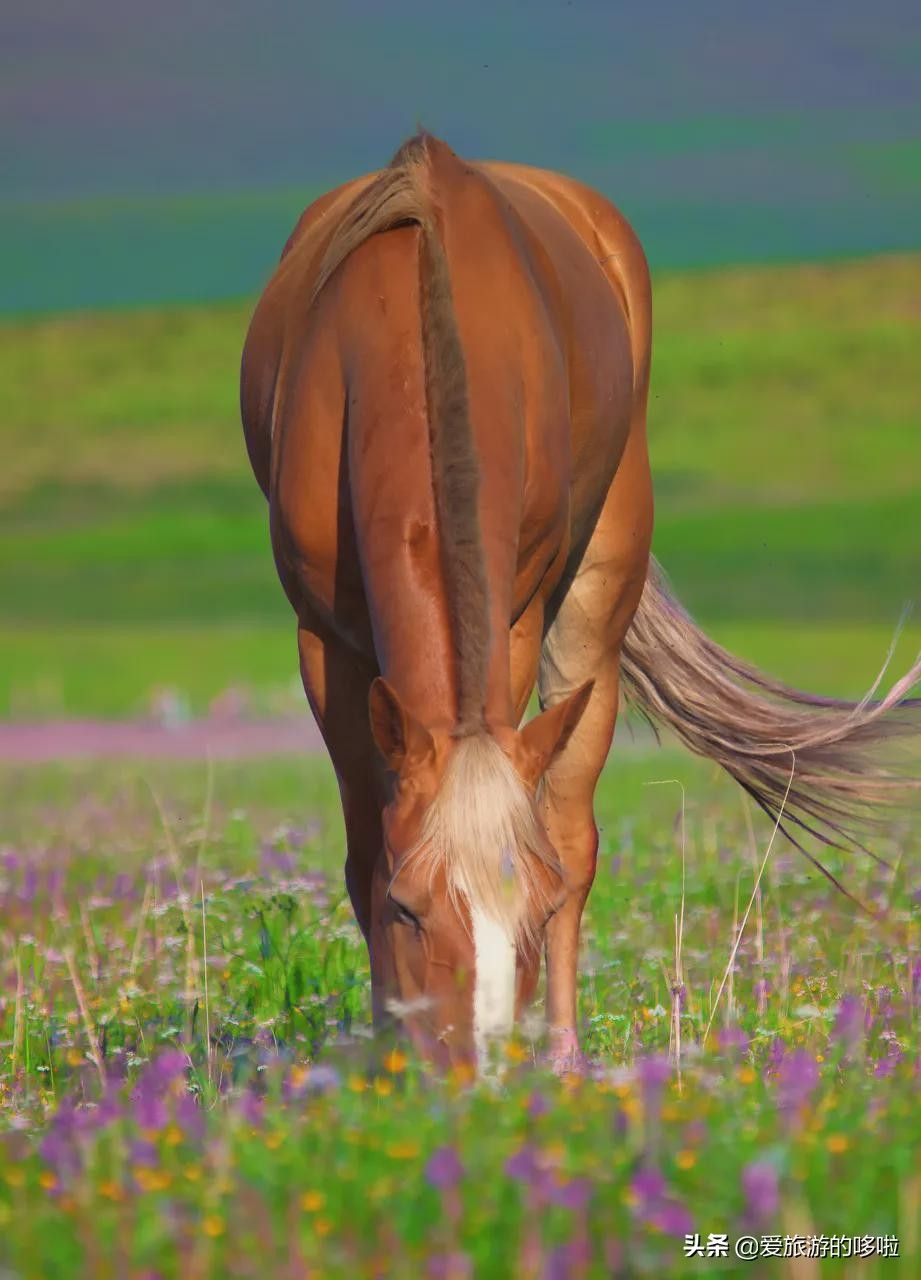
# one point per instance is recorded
(29, 883)
(797, 1077)
(444, 1169)
(695, 1132)
(654, 1072)
(762, 1195)
(322, 1079)
(648, 1185)
(251, 1108)
(122, 886)
(450, 1266)
(654, 1205)
(149, 1111)
(776, 1056)
(672, 1219)
(142, 1152)
(537, 1105)
(60, 1153)
(733, 1041)
(162, 1070)
(190, 1117)
(276, 860)
(523, 1165)
(848, 1029)
(565, 1260)
(574, 1193)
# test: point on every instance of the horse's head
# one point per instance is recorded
(467, 878)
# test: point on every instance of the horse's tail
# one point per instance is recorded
(764, 733)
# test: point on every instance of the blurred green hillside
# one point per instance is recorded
(785, 428)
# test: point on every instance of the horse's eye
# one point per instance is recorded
(403, 914)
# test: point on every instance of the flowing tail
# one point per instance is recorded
(760, 731)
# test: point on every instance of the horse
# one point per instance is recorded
(444, 395)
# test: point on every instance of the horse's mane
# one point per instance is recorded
(401, 195)
(483, 828)
(484, 831)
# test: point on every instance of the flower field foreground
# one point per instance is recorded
(188, 1086)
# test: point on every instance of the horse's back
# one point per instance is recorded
(553, 319)
(606, 234)
(278, 317)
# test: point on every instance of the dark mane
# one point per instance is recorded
(402, 195)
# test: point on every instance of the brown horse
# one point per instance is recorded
(444, 398)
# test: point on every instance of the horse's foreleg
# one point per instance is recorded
(336, 683)
(567, 801)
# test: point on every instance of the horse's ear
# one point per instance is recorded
(543, 738)
(398, 734)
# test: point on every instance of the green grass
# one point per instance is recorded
(785, 422)
(311, 1148)
(119, 669)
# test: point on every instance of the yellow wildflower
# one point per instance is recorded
(312, 1201)
(213, 1226)
(298, 1076)
(47, 1180)
(516, 1052)
(685, 1159)
(383, 1087)
(837, 1143)
(395, 1062)
(403, 1150)
(462, 1073)
(631, 1107)
(152, 1179)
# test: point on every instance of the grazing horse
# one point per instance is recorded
(444, 394)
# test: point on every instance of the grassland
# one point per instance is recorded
(784, 428)
(187, 1083)
(151, 1124)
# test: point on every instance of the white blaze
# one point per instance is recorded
(494, 988)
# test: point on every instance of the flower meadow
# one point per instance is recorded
(189, 1087)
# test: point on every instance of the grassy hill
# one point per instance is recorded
(784, 428)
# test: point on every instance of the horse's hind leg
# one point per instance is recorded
(584, 642)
